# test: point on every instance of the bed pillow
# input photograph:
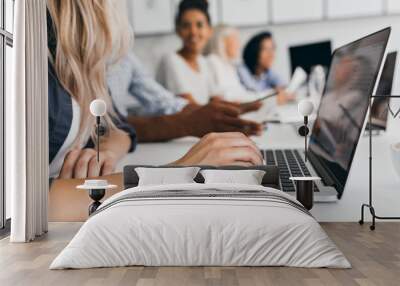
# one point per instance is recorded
(245, 177)
(166, 176)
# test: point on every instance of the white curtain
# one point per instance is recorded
(27, 124)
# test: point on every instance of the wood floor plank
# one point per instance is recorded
(375, 257)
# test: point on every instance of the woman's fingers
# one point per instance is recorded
(238, 140)
(243, 154)
(223, 135)
(67, 169)
(229, 139)
(94, 167)
(230, 148)
(108, 167)
(102, 168)
(81, 166)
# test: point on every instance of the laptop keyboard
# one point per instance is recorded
(290, 164)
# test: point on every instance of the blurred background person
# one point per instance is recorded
(185, 72)
(256, 73)
(223, 52)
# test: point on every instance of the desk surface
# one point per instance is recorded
(385, 181)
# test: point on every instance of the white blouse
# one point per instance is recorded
(177, 76)
(227, 82)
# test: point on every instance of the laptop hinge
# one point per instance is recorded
(322, 172)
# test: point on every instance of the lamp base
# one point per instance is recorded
(96, 195)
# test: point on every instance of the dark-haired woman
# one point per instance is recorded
(185, 72)
(255, 73)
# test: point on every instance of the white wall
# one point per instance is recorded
(151, 48)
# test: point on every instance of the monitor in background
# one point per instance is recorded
(309, 55)
(344, 104)
(380, 105)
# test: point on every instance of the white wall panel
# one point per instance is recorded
(354, 8)
(286, 11)
(245, 12)
(151, 16)
(214, 11)
(393, 6)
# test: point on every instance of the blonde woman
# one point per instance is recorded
(82, 45)
(223, 52)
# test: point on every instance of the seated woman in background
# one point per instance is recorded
(81, 47)
(223, 52)
(256, 74)
(185, 72)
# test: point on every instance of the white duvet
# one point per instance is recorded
(188, 231)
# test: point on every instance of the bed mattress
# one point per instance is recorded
(201, 225)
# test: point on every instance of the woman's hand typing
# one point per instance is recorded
(217, 149)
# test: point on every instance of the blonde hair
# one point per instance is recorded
(216, 45)
(90, 35)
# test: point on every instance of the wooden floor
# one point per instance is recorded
(375, 257)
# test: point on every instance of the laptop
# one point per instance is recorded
(339, 122)
(309, 55)
(380, 105)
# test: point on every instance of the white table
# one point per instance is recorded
(386, 181)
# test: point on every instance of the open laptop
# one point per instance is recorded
(340, 120)
(309, 55)
(380, 105)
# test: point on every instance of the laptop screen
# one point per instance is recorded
(344, 104)
(380, 106)
(309, 55)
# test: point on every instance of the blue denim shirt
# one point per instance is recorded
(265, 81)
(60, 116)
(135, 91)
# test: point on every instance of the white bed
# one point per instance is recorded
(222, 225)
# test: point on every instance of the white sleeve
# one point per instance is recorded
(213, 68)
(208, 70)
(171, 75)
